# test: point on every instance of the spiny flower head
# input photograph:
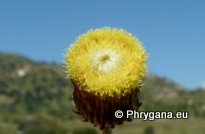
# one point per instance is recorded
(106, 62)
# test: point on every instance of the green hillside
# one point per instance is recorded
(36, 98)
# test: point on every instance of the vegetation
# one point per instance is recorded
(35, 97)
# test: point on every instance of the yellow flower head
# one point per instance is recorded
(106, 62)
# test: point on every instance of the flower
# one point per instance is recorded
(106, 62)
(106, 66)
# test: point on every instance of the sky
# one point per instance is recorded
(172, 32)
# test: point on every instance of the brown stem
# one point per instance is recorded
(107, 130)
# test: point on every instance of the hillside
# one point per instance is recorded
(35, 97)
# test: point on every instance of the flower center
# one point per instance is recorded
(105, 60)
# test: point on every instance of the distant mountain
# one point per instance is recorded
(32, 85)
(155, 87)
(35, 89)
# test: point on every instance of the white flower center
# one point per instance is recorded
(105, 60)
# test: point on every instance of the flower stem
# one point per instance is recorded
(107, 130)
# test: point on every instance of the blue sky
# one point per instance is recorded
(172, 32)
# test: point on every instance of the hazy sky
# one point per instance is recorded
(172, 32)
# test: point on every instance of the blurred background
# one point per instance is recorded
(36, 96)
